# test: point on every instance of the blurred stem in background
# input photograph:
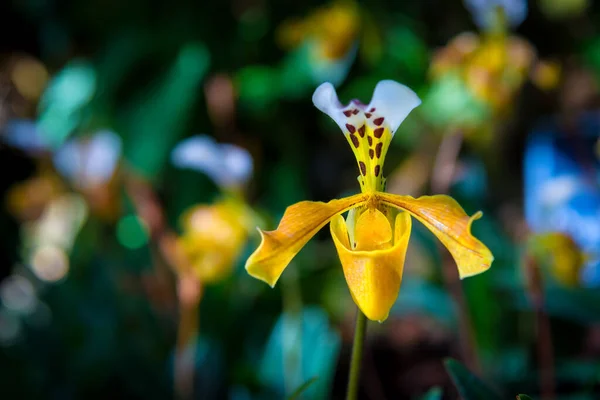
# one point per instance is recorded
(189, 288)
(444, 168)
(466, 338)
(360, 330)
(189, 292)
(545, 351)
(445, 162)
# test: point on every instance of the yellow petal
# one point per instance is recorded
(300, 222)
(443, 216)
(374, 276)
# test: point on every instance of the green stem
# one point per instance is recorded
(357, 351)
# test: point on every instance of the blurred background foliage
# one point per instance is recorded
(142, 142)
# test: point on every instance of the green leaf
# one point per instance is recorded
(301, 347)
(62, 104)
(302, 388)
(435, 393)
(469, 386)
(157, 119)
(523, 397)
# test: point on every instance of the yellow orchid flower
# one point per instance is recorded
(372, 241)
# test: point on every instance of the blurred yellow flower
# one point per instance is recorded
(333, 29)
(213, 238)
(561, 256)
(372, 241)
(487, 71)
(493, 66)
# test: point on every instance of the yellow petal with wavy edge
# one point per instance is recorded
(300, 222)
(443, 216)
(373, 276)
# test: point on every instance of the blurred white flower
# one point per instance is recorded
(323, 69)
(89, 161)
(228, 165)
(484, 12)
(559, 190)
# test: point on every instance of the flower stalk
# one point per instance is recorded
(360, 330)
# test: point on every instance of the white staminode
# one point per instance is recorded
(391, 100)
(483, 11)
(226, 164)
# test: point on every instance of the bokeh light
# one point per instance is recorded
(132, 232)
(29, 77)
(50, 263)
(18, 294)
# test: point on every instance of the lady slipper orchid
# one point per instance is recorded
(372, 241)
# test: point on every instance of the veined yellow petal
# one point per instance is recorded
(300, 222)
(443, 216)
(373, 276)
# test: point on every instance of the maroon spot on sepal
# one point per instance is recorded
(350, 128)
(378, 149)
(363, 168)
(377, 170)
(378, 121)
(354, 139)
(361, 131)
(378, 132)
